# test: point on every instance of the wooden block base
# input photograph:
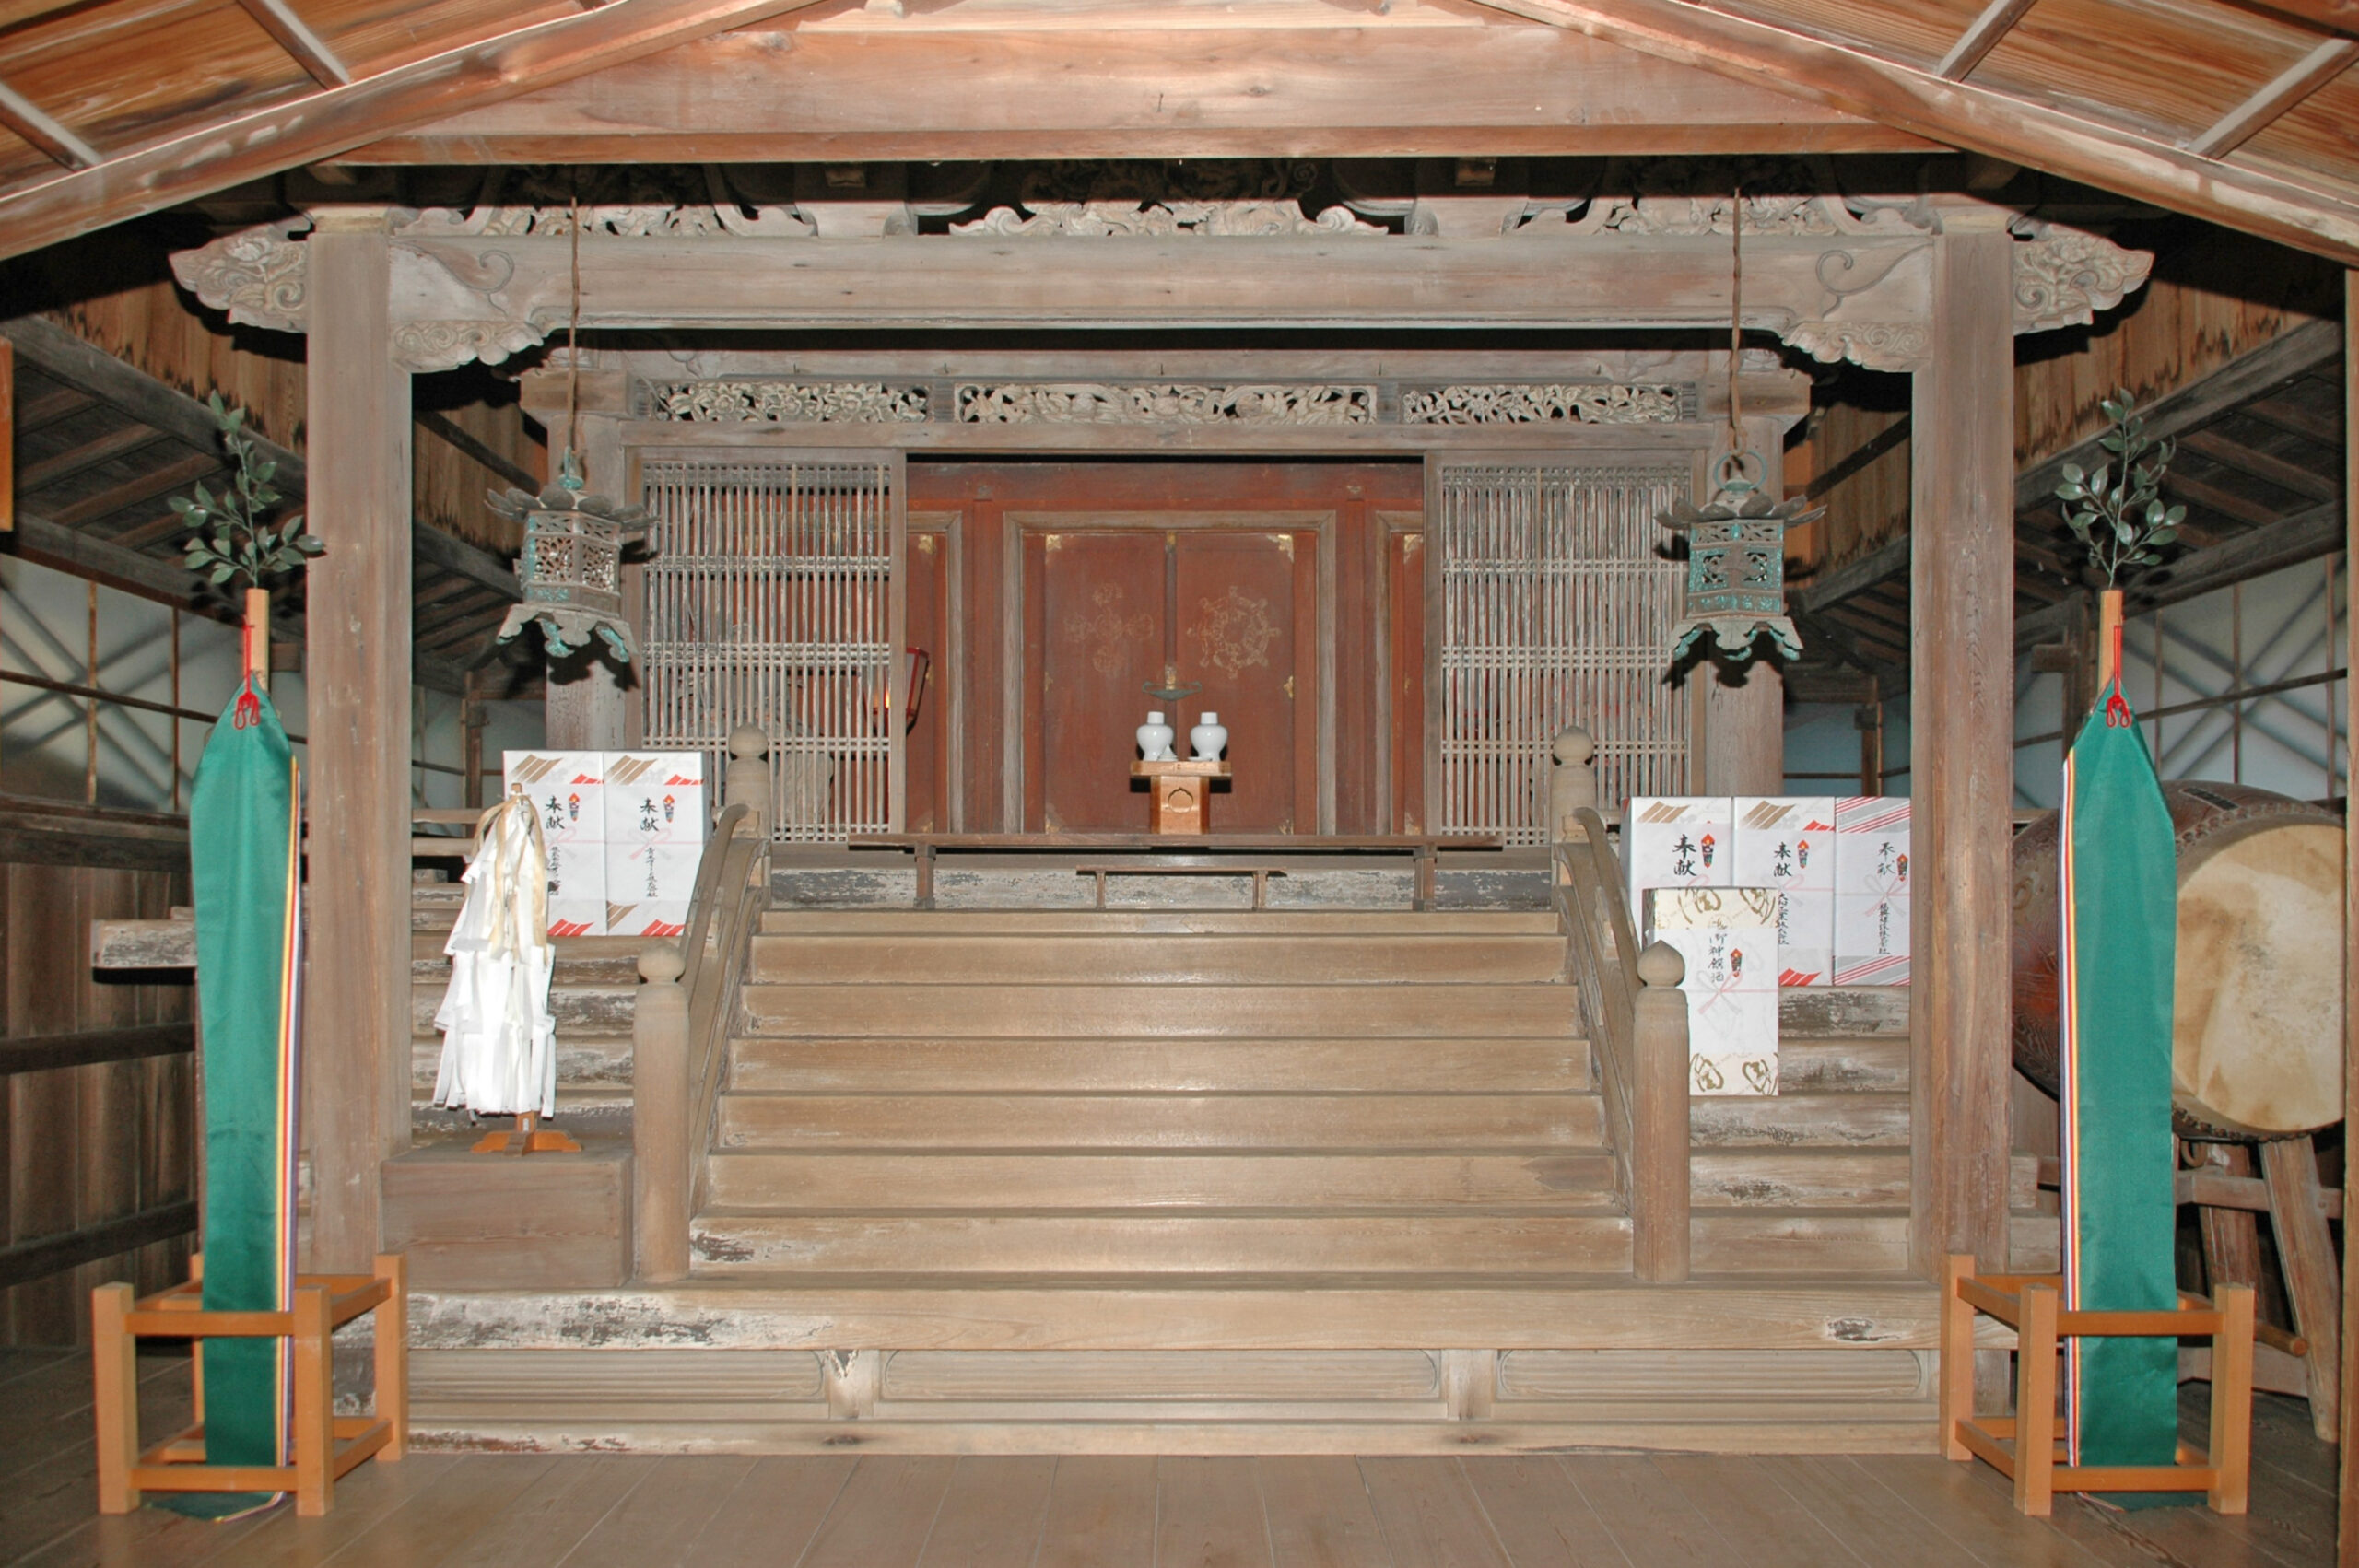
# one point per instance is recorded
(1180, 794)
(322, 1445)
(2027, 1447)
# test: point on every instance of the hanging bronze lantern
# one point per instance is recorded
(1736, 565)
(570, 568)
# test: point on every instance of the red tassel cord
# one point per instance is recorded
(248, 711)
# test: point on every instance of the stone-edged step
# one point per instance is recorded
(1159, 1121)
(1003, 1178)
(726, 1244)
(1274, 958)
(935, 1062)
(1160, 922)
(1207, 1011)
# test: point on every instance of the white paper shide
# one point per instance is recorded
(498, 1039)
(1728, 938)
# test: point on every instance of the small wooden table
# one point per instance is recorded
(1180, 794)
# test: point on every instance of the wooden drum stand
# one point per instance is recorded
(325, 1444)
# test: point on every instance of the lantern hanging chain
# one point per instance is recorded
(573, 325)
(1736, 316)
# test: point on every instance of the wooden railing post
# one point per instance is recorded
(1658, 1181)
(1572, 780)
(660, 1096)
(747, 783)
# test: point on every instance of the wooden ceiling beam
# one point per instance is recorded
(2264, 467)
(320, 125)
(35, 125)
(294, 35)
(1997, 18)
(1976, 119)
(2335, 16)
(1829, 589)
(2269, 103)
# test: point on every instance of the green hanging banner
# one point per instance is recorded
(2117, 933)
(245, 861)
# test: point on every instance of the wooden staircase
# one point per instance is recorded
(1211, 1181)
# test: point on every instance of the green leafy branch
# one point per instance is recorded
(2117, 512)
(232, 533)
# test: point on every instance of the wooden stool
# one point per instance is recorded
(325, 1446)
(2024, 1447)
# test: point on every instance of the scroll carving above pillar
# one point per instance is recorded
(256, 276)
(2064, 277)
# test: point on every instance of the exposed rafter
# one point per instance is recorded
(1981, 38)
(294, 35)
(34, 123)
(1966, 115)
(322, 124)
(2270, 103)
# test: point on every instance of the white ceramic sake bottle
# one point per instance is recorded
(1209, 738)
(1156, 738)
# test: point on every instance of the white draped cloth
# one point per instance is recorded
(498, 1039)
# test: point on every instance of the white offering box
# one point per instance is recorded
(1677, 841)
(569, 792)
(1787, 842)
(1872, 891)
(656, 822)
(1727, 937)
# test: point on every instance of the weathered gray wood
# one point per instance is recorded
(2305, 1252)
(356, 664)
(41, 1257)
(1962, 606)
(497, 1221)
(662, 1140)
(60, 833)
(451, 554)
(1829, 589)
(1659, 1158)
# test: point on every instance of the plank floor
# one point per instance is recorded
(1579, 1511)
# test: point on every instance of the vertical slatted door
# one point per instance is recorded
(1549, 606)
(774, 599)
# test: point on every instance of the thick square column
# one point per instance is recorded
(1961, 678)
(356, 664)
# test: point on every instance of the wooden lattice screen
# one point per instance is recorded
(771, 601)
(1556, 610)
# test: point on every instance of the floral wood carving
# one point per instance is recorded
(1559, 403)
(1236, 632)
(1113, 636)
(1875, 345)
(788, 403)
(1132, 218)
(623, 201)
(1098, 404)
(255, 274)
(424, 347)
(2065, 277)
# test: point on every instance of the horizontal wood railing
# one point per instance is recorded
(1636, 1019)
(40, 1256)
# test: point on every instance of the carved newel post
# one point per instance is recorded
(1658, 1181)
(747, 781)
(1572, 780)
(659, 1084)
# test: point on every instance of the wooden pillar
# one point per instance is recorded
(2347, 1532)
(1961, 755)
(357, 984)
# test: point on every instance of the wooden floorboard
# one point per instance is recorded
(601, 1510)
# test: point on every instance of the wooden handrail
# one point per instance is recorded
(684, 1014)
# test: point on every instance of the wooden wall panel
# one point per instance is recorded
(83, 1145)
(991, 498)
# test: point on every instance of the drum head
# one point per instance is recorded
(2257, 1026)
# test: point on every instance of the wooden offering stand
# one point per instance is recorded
(1180, 794)
(2024, 1447)
(530, 1138)
(324, 1445)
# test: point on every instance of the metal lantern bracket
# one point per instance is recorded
(1736, 563)
(570, 567)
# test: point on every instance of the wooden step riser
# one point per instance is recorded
(1843, 1013)
(1768, 1242)
(1168, 922)
(1085, 1066)
(1211, 1244)
(583, 1062)
(1850, 1066)
(1161, 1012)
(1103, 1182)
(1275, 959)
(1798, 1121)
(919, 1122)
